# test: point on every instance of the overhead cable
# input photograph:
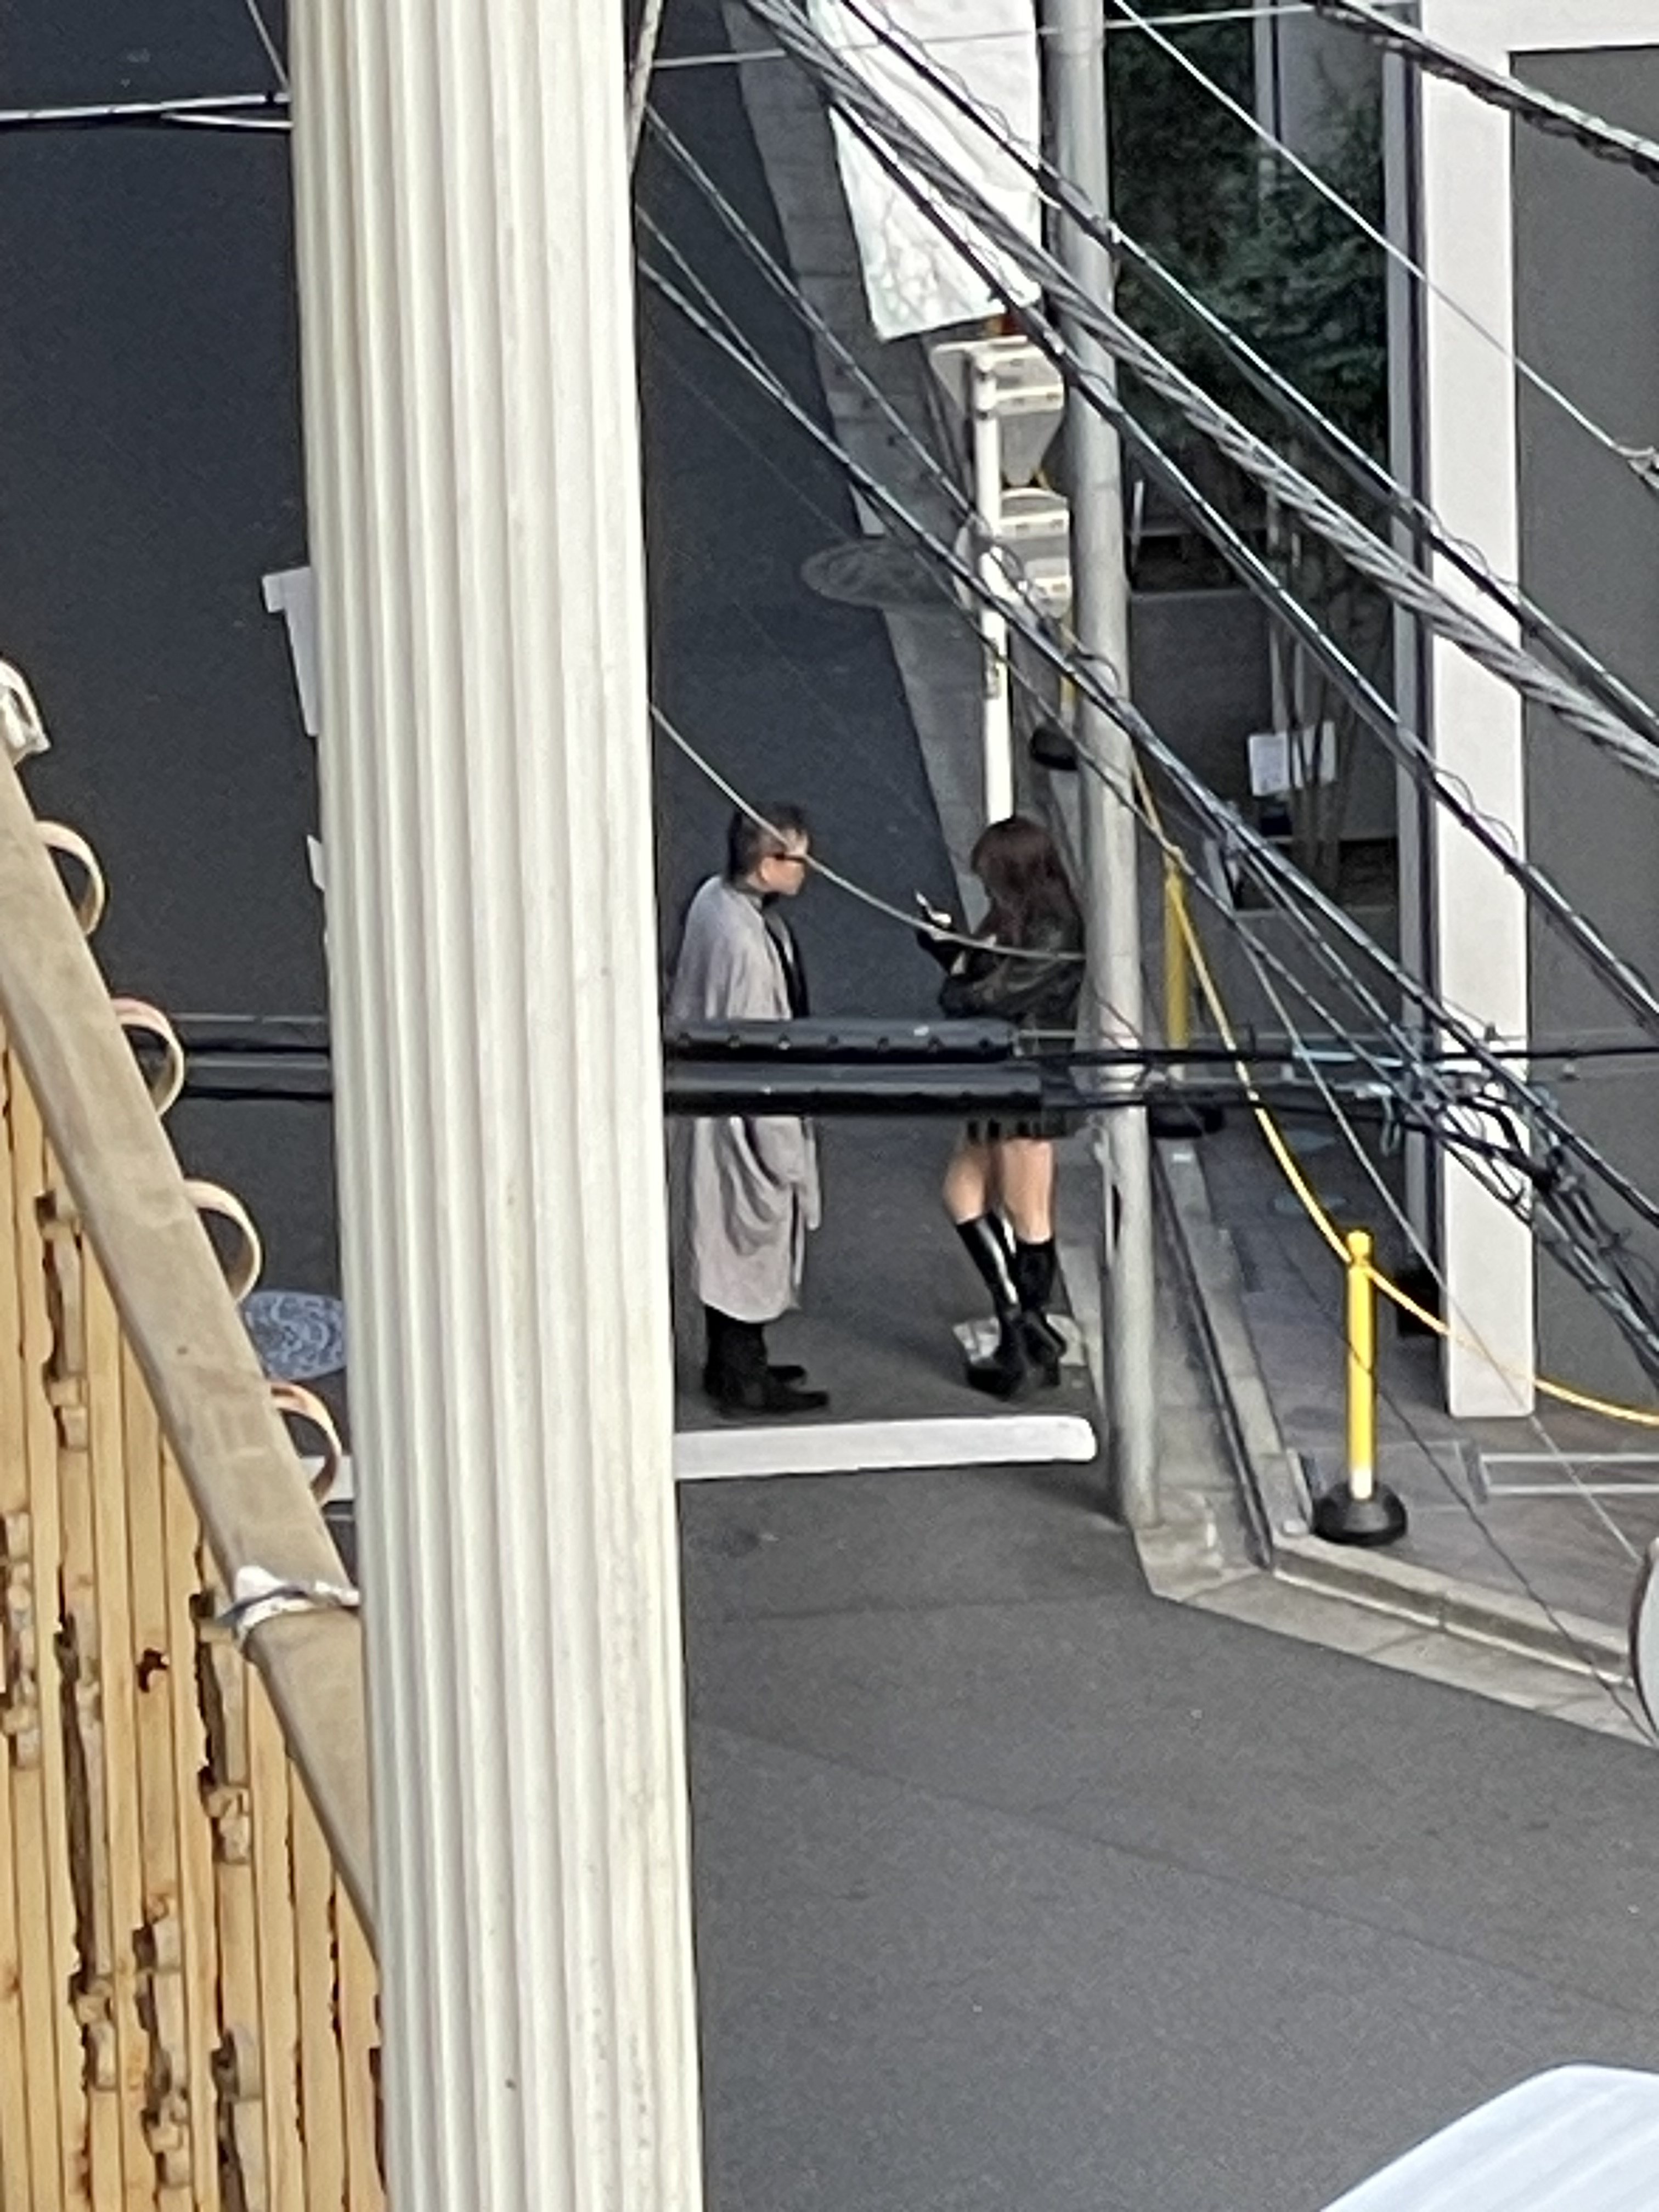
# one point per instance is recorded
(1610, 1682)
(1458, 1329)
(1625, 980)
(1559, 1140)
(905, 150)
(1407, 746)
(1643, 461)
(269, 109)
(1556, 1141)
(273, 53)
(1186, 20)
(1281, 876)
(646, 41)
(915, 924)
(1560, 117)
(1559, 1137)
(1542, 1161)
(1362, 468)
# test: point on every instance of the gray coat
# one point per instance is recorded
(747, 1184)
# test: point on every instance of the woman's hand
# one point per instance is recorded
(937, 929)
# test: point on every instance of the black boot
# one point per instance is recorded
(1006, 1370)
(738, 1378)
(1034, 1268)
(725, 1345)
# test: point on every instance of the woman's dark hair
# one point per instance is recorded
(748, 843)
(1020, 866)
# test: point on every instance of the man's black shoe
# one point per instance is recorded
(714, 1387)
(767, 1394)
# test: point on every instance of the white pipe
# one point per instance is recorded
(997, 726)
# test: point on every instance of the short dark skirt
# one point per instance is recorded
(1035, 1129)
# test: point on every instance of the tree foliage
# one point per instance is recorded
(1300, 282)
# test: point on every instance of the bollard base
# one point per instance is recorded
(1342, 1518)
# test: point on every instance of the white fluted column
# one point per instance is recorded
(475, 520)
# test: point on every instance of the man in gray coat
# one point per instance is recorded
(750, 1186)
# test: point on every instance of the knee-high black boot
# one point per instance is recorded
(1033, 1267)
(1007, 1370)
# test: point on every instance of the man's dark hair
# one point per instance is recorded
(748, 843)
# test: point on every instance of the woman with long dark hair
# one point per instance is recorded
(1000, 1186)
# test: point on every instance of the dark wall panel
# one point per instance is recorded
(1587, 307)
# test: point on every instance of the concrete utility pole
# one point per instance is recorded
(1100, 616)
(473, 444)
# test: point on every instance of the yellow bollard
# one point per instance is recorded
(1360, 1510)
(1362, 1368)
(1177, 964)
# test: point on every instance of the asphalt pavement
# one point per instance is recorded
(1019, 1887)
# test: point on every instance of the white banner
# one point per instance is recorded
(913, 277)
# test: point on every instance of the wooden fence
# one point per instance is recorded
(188, 1996)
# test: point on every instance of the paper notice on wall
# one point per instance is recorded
(915, 278)
(1283, 760)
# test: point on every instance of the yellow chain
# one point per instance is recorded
(1561, 1393)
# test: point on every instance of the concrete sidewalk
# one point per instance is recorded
(1528, 1534)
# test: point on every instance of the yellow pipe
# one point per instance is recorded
(1177, 965)
(1362, 1367)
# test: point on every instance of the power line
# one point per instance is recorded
(1541, 1161)
(1369, 475)
(1559, 1139)
(1061, 195)
(1402, 1219)
(1407, 745)
(1190, 19)
(1562, 1138)
(733, 339)
(1642, 1330)
(639, 72)
(273, 54)
(1539, 109)
(1446, 1109)
(232, 108)
(1641, 460)
(1565, 1140)
(1408, 1228)
(913, 924)
(883, 131)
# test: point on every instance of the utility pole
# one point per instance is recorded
(473, 444)
(1100, 616)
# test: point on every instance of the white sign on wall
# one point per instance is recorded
(1283, 760)
(914, 279)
